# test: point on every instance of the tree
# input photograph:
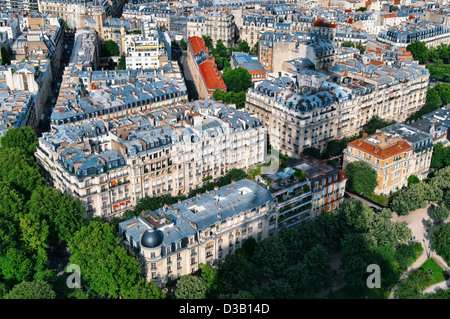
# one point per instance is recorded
(317, 270)
(12, 205)
(20, 170)
(443, 90)
(440, 213)
(35, 232)
(433, 99)
(412, 286)
(15, 265)
(413, 179)
(362, 178)
(237, 80)
(144, 290)
(248, 247)
(5, 56)
(358, 251)
(312, 152)
(236, 272)
(64, 25)
(386, 232)
(243, 46)
(209, 276)
(336, 147)
(362, 9)
(190, 287)
(441, 241)
(208, 41)
(111, 48)
(24, 138)
(274, 289)
(255, 49)
(419, 51)
(300, 174)
(9, 235)
(270, 256)
(440, 156)
(107, 267)
(359, 217)
(376, 123)
(121, 65)
(36, 289)
(183, 44)
(63, 213)
(408, 200)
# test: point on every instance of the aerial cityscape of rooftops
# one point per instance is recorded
(224, 149)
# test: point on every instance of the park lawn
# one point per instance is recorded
(438, 273)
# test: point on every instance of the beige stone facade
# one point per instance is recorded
(174, 240)
(154, 156)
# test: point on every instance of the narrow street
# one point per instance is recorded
(44, 124)
(188, 78)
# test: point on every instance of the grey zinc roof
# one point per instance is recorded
(213, 208)
(409, 133)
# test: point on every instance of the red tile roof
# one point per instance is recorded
(385, 152)
(197, 44)
(213, 79)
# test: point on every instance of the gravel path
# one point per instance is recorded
(416, 222)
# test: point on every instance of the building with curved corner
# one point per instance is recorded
(172, 241)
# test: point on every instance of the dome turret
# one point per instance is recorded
(151, 238)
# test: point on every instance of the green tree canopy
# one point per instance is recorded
(317, 273)
(419, 51)
(358, 251)
(36, 289)
(441, 156)
(441, 241)
(243, 46)
(209, 276)
(16, 265)
(63, 213)
(190, 287)
(271, 256)
(121, 65)
(237, 80)
(376, 123)
(111, 48)
(183, 44)
(143, 290)
(107, 267)
(24, 138)
(440, 212)
(255, 49)
(362, 178)
(412, 286)
(5, 56)
(413, 179)
(20, 170)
